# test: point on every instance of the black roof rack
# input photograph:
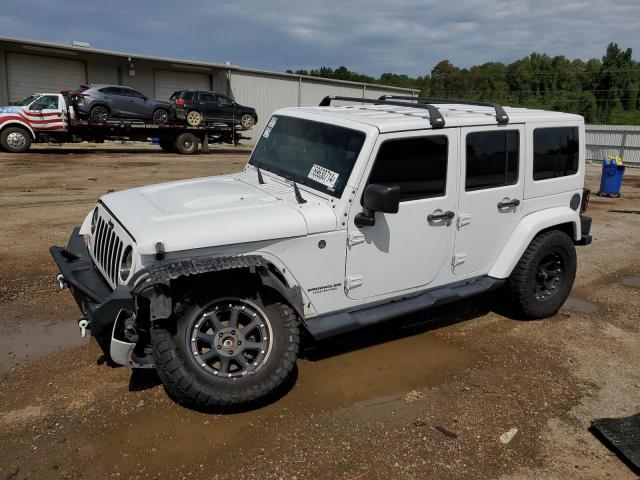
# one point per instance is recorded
(501, 115)
(435, 117)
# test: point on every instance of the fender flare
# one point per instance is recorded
(13, 123)
(153, 282)
(528, 227)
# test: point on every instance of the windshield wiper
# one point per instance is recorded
(260, 179)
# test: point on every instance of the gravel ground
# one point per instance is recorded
(426, 396)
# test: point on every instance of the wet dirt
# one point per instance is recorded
(372, 405)
(579, 305)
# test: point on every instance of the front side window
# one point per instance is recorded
(222, 100)
(555, 152)
(417, 165)
(492, 159)
(206, 97)
(312, 153)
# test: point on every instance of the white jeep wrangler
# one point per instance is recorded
(344, 216)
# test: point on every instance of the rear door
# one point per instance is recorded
(209, 106)
(405, 250)
(491, 193)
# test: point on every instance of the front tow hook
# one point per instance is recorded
(83, 324)
(61, 282)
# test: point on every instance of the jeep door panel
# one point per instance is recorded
(405, 250)
(492, 166)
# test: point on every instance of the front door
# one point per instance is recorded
(46, 114)
(405, 250)
(226, 108)
(491, 191)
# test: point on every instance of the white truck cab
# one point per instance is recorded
(344, 216)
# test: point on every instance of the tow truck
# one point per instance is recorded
(51, 118)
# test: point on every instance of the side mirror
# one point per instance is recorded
(378, 198)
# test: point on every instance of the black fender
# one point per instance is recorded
(153, 282)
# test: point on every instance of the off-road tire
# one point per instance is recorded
(186, 144)
(521, 283)
(247, 121)
(190, 385)
(194, 118)
(15, 140)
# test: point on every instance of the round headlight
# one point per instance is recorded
(125, 263)
(94, 220)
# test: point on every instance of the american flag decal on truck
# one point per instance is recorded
(38, 121)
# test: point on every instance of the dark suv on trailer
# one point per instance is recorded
(100, 102)
(194, 107)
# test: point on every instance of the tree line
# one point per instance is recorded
(603, 90)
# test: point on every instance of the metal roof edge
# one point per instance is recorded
(196, 63)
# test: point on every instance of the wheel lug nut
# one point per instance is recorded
(239, 342)
(230, 352)
(220, 334)
(233, 332)
(219, 347)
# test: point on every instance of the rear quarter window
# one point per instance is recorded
(555, 152)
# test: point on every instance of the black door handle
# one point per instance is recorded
(512, 203)
(441, 216)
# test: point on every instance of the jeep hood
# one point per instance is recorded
(215, 211)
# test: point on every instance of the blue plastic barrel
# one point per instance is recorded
(611, 179)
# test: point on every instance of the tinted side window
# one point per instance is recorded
(492, 159)
(417, 165)
(206, 97)
(555, 152)
(111, 91)
(222, 100)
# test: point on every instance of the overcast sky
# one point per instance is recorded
(369, 36)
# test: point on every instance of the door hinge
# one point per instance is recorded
(464, 219)
(354, 238)
(458, 259)
(352, 281)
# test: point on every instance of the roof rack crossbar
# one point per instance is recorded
(501, 116)
(435, 117)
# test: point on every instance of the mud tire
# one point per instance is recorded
(521, 283)
(191, 385)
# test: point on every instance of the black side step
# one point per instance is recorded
(326, 326)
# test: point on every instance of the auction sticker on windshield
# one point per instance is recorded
(323, 175)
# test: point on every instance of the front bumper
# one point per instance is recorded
(98, 303)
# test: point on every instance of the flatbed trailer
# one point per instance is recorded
(24, 125)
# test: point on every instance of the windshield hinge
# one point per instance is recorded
(352, 281)
(354, 238)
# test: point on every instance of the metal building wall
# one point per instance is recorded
(603, 141)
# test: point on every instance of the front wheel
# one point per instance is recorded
(227, 352)
(15, 140)
(160, 116)
(542, 280)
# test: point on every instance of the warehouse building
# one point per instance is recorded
(28, 66)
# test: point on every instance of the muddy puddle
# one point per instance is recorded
(354, 379)
(576, 304)
(632, 281)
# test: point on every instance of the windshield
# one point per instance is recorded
(311, 153)
(27, 100)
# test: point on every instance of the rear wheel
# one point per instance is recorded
(230, 351)
(186, 143)
(99, 113)
(160, 116)
(15, 139)
(247, 121)
(542, 280)
(194, 118)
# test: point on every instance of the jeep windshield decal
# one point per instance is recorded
(315, 154)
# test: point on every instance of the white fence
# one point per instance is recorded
(610, 140)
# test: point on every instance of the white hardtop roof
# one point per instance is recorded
(392, 118)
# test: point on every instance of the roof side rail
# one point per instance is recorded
(501, 116)
(435, 117)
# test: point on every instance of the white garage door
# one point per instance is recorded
(167, 82)
(27, 74)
